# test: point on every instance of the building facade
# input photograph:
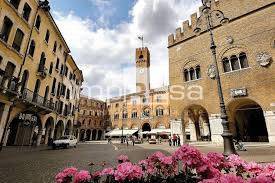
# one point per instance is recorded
(245, 54)
(93, 119)
(145, 110)
(40, 81)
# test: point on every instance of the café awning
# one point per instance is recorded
(158, 131)
(118, 133)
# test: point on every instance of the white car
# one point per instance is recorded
(65, 142)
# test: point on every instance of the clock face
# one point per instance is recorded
(141, 71)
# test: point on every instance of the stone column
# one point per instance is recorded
(4, 119)
(39, 136)
(193, 134)
(103, 135)
(78, 135)
(91, 136)
(96, 136)
(47, 132)
(270, 125)
(216, 128)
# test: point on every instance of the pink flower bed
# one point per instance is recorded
(186, 165)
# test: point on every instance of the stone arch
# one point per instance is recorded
(49, 130)
(88, 134)
(99, 134)
(232, 50)
(195, 118)
(59, 129)
(247, 121)
(25, 129)
(69, 128)
(94, 134)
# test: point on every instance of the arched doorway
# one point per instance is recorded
(94, 134)
(69, 128)
(99, 135)
(88, 134)
(146, 128)
(59, 129)
(196, 122)
(248, 122)
(24, 129)
(49, 128)
(82, 135)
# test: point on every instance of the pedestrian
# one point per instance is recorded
(127, 141)
(174, 139)
(109, 140)
(170, 141)
(34, 139)
(133, 140)
(178, 137)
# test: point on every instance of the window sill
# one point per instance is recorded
(191, 81)
(18, 14)
(11, 48)
(30, 57)
(47, 43)
(235, 71)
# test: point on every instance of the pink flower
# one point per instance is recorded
(66, 175)
(123, 158)
(254, 168)
(166, 160)
(224, 178)
(82, 177)
(107, 171)
(235, 161)
(127, 171)
(261, 179)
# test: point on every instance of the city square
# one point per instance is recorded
(137, 91)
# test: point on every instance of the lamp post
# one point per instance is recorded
(209, 14)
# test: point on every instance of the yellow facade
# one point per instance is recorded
(245, 54)
(42, 57)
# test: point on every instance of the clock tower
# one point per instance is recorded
(142, 69)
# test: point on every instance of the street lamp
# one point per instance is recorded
(208, 14)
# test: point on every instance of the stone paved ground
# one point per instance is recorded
(29, 165)
(39, 165)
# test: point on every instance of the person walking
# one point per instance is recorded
(178, 139)
(133, 140)
(127, 141)
(174, 139)
(170, 141)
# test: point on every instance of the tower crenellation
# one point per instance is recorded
(232, 9)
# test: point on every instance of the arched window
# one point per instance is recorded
(83, 122)
(234, 62)
(124, 115)
(19, 35)
(15, 3)
(116, 116)
(243, 60)
(57, 64)
(198, 72)
(54, 47)
(42, 62)
(134, 114)
(47, 36)
(6, 29)
(36, 90)
(53, 86)
(146, 112)
(26, 12)
(159, 112)
(226, 65)
(90, 122)
(192, 73)
(46, 95)
(186, 75)
(32, 48)
(51, 68)
(38, 22)
(24, 80)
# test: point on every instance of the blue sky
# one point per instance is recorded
(103, 36)
(90, 9)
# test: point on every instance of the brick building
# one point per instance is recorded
(245, 53)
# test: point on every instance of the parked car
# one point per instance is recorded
(65, 142)
(152, 141)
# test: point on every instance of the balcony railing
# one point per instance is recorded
(8, 83)
(36, 99)
(42, 71)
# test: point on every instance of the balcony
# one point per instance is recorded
(37, 102)
(42, 71)
(8, 84)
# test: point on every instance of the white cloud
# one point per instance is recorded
(107, 56)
